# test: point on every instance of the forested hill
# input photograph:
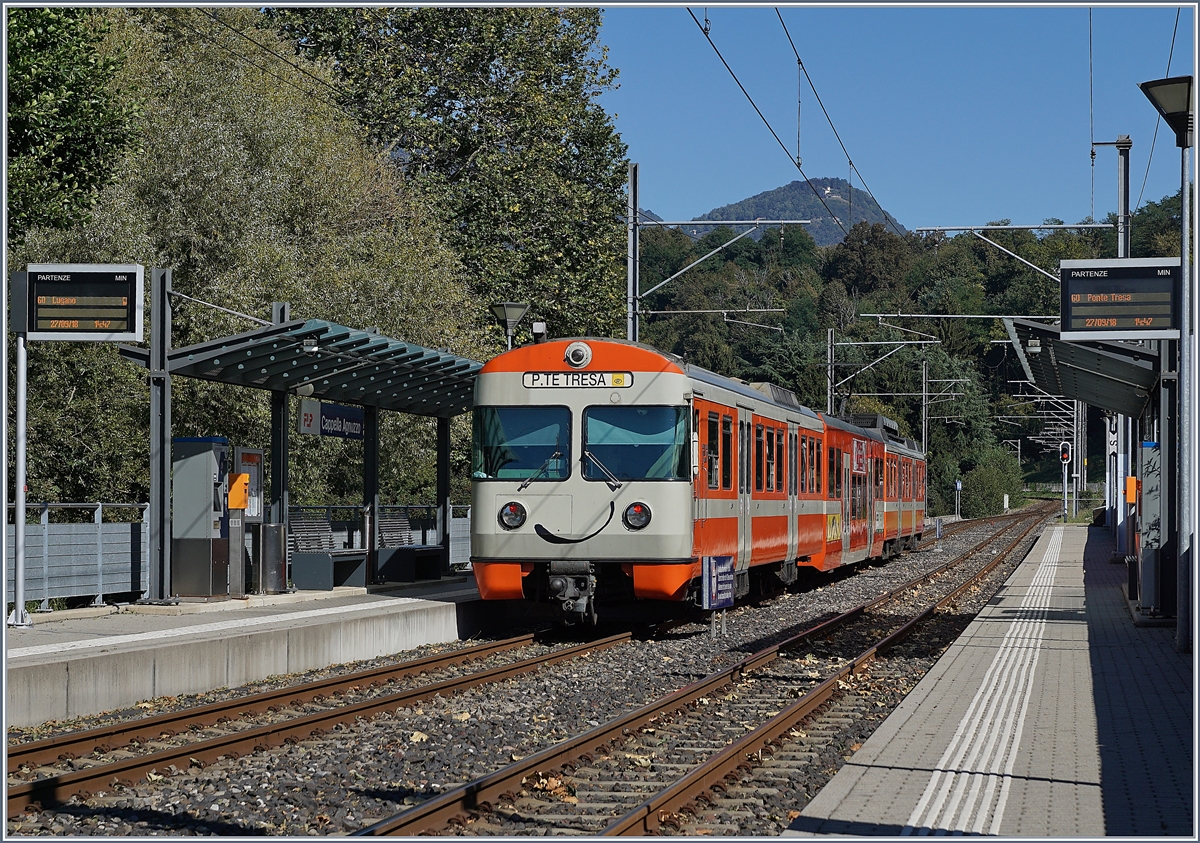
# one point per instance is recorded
(798, 201)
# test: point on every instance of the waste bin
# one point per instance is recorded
(269, 559)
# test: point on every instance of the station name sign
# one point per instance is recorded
(319, 419)
(79, 301)
(1120, 299)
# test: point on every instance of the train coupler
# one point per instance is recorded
(572, 587)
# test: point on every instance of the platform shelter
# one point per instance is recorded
(311, 357)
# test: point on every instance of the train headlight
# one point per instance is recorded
(578, 355)
(637, 516)
(512, 515)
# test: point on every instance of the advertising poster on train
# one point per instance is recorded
(860, 457)
(718, 582)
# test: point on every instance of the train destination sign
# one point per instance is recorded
(97, 302)
(576, 380)
(1124, 298)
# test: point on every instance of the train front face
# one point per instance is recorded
(581, 476)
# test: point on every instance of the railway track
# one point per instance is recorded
(81, 763)
(651, 770)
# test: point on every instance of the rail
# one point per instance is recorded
(434, 814)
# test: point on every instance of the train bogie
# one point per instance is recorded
(607, 472)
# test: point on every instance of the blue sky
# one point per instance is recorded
(953, 116)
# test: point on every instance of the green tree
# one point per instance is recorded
(495, 113)
(995, 475)
(66, 129)
(252, 190)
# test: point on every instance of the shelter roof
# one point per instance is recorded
(344, 365)
(1115, 376)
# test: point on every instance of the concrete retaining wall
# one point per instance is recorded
(90, 681)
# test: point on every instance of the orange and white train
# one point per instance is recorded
(605, 471)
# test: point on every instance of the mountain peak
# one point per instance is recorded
(829, 203)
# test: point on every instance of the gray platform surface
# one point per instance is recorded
(1052, 716)
(81, 662)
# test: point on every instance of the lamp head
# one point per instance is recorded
(509, 313)
(1173, 99)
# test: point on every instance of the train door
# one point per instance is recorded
(846, 478)
(745, 486)
(793, 488)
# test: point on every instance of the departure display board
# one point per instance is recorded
(84, 302)
(1120, 299)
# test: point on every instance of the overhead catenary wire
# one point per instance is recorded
(824, 110)
(309, 94)
(1158, 119)
(1091, 116)
(265, 48)
(766, 122)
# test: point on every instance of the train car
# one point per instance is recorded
(605, 472)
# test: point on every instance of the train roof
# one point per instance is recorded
(876, 427)
(768, 392)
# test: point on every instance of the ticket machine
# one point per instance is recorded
(200, 517)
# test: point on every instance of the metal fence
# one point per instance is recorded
(71, 560)
(74, 560)
(346, 523)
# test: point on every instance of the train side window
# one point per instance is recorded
(831, 473)
(795, 485)
(712, 455)
(758, 458)
(779, 459)
(741, 457)
(815, 465)
(841, 490)
(804, 464)
(726, 452)
(770, 484)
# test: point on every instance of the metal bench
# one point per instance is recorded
(399, 559)
(317, 563)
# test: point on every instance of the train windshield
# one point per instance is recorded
(636, 443)
(521, 443)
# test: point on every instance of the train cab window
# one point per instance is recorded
(726, 452)
(521, 443)
(878, 478)
(711, 454)
(636, 443)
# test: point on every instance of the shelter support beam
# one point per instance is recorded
(160, 435)
(371, 489)
(444, 512)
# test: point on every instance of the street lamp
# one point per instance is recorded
(508, 314)
(1173, 99)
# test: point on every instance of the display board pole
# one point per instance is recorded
(19, 617)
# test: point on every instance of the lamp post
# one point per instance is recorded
(1173, 99)
(508, 314)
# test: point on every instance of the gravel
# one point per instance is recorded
(371, 769)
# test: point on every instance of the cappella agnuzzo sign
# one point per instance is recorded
(317, 419)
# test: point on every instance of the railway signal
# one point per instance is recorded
(1064, 456)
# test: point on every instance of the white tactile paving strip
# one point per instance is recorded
(1051, 716)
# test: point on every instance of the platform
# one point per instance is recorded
(87, 661)
(1052, 716)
